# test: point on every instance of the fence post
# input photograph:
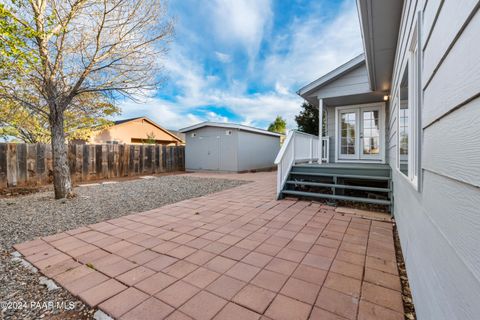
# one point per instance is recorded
(12, 165)
(3, 165)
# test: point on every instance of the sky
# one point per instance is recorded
(243, 61)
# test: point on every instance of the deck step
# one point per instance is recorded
(340, 186)
(346, 176)
(334, 197)
(380, 171)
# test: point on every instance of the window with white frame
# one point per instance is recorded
(409, 97)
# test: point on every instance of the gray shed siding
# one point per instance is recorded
(439, 225)
(256, 151)
(204, 151)
(212, 149)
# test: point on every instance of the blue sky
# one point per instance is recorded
(243, 60)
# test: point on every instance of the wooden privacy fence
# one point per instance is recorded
(31, 164)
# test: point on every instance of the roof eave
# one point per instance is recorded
(380, 24)
(229, 125)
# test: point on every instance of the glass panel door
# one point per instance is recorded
(360, 134)
(370, 133)
(348, 134)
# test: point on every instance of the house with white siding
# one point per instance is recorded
(403, 133)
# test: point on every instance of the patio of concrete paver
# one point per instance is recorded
(235, 254)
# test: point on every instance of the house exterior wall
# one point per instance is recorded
(439, 224)
(256, 151)
(353, 82)
(211, 149)
(135, 129)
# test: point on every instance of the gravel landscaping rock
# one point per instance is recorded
(28, 217)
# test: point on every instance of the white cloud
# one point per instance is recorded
(242, 22)
(223, 57)
(255, 109)
(212, 116)
(186, 74)
(315, 46)
(163, 112)
(281, 89)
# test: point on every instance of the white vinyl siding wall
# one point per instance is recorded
(354, 82)
(439, 226)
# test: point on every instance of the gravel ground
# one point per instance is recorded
(28, 217)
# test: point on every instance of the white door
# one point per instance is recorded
(360, 132)
(348, 133)
(370, 137)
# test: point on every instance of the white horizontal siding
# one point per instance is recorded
(452, 145)
(454, 209)
(443, 287)
(451, 19)
(354, 82)
(439, 226)
(430, 14)
(458, 77)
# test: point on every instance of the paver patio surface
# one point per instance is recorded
(235, 254)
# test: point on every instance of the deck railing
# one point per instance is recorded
(298, 147)
(325, 149)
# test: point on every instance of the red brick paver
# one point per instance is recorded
(235, 254)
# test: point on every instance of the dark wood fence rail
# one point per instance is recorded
(31, 164)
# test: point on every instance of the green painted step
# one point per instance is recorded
(340, 186)
(380, 171)
(334, 197)
(348, 176)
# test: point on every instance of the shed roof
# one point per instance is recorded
(230, 126)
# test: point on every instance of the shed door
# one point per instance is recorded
(209, 152)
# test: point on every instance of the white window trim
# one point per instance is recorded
(414, 107)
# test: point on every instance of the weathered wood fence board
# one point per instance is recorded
(31, 164)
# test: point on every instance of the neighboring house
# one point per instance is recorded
(139, 130)
(178, 134)
(229, 147)
(406, 114)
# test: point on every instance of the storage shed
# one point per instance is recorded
(229, 147)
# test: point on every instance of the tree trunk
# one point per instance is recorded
(62, 181)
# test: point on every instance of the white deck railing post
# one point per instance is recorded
(311, 151)
(320, 129)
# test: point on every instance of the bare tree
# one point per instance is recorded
(74, 48)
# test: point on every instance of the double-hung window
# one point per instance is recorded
(409, 122)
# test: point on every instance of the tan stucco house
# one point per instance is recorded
(139, 130)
